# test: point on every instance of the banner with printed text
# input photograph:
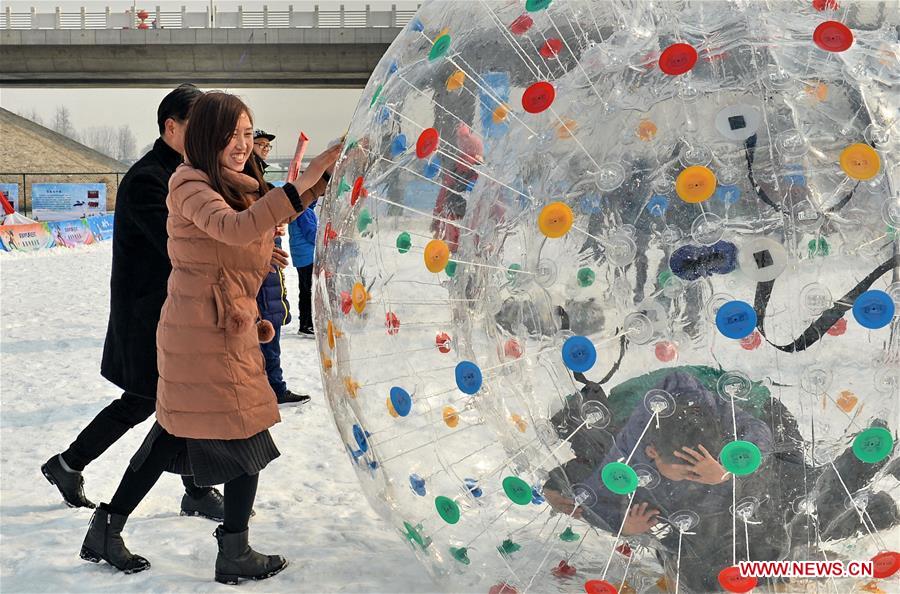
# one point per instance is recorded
(61, 202)
(25, 238)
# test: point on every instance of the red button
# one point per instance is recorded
(521, 24)
(443, 342)
(677, 59)
(358, 191)
(730, 578)
(551, 48)
(538, 97)
(885, 564)
(563, 570)
(833, 36)
(838, 327)
(392, 323)
(330, 234)
(599, 587)
(825, 4)
(427, 143)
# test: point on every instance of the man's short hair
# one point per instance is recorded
(177, 105)
(692, 424)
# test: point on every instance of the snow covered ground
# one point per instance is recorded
(309, 507)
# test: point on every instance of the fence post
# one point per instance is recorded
(368, 16)
(342, 16)
(25, 204)
(393, 15)
(106, 22)
(82, 17)
(240, 16)
(8, 17)
(315, 16)
(265, 16)
(290, 15)
(57, 19)
(183, 18)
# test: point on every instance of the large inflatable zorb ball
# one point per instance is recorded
(606, 293)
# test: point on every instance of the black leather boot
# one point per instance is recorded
(211, 506)
(237, 561)
(104, 541)
(69, 482)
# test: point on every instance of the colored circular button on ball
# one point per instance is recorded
(440, 47)
(833, 36)
(551, 48)
(359, 297)
(619, 478)
(731, 580)
(736, 319)
(468, 377)
(450, 416)
(536, 5)
(873, 445)
(555, 219)
(358, 191)
(873, 309)
(579, 354)
(447, 509)
(885, 564)
(860, 161)
(437, 254)
(740, 458)
(521, 25)
(401, 400)
(599, 587)
(517, 490)
(404, 242)
(427, 142)
(695, 184)
(364, 220)
(450, 268)
(456, 81)
(586, 277)
(417, 484)
(538, 97)
(360, 436)
(677, 59)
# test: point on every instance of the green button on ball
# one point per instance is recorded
(586, 277)
(619, 478)
(440, 47)
(873, 445)
(447, 509)
(364, 220)
(740, 457)
(450, 268)
(536, 5)
(404, 242)
(517, 490)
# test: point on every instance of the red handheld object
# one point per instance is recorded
(294, 168)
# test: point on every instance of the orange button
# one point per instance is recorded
(860, 161)
(500, 114)
(695, 184)
(646, 130)
(456, 80)
(437, 254)
(391, 410)
(352, 386)
(359, 296)
(451, 417)
(555, 219)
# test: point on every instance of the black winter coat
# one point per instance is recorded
(140, 271)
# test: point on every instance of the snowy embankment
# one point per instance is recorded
(309, 507)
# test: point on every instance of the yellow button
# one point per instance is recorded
(359, 297)
(331, 335)
(500, 114)
(555, 219)
(451, 417)
(437, 254)
(860, 161)
(352, 386)
(566, 129)
(391, 410)
(326, 362)
(456, 80)
(519, 422)
(646, 130)
(695, 184)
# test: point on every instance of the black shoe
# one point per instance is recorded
(290, 398)
(69, 483)
(237, 561)
(104, 541)
(306, 332)
(211, 506)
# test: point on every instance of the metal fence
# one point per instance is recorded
(24, 181)
(156, 18)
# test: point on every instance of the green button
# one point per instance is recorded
(517, 490)
(343, 186)
(569, 536)
(740, 457)
(512, 273)
(447, 509)
(414, 535)
(461, 554)
(508, 547)
(404, 242)
(376, 95)
(364, 220)
(440, 47)
(450, 268)
(663, 277)
(586, 277)
(619, 478)
(873, 445)
(536, 5)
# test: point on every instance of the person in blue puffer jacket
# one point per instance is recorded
(303, 246)
(272, 297)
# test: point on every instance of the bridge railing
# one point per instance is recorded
(157, 18)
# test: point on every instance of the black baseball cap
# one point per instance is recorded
(263, 134)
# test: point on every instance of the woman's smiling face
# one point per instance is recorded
(235, 155)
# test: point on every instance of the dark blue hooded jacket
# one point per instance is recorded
(272, 298)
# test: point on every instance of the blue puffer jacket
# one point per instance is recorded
(303, 237)
(272, 298)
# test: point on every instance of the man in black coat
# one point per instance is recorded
(140, 272)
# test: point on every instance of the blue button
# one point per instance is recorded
(393, 67)
(873, 309)
(384, 115)
(417, 484)
(736, 319)
(416, 25)
(658, 205)
(472, 487)
(468, 377)
(579, 354)
(401, 401)
(727, 194)
(432, 168)
(398, 146)
(360, 437)
(536, 497)
(373, 465)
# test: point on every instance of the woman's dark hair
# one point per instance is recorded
(177, 105)
(214, 118)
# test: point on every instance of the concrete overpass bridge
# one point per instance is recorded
(322, 47)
